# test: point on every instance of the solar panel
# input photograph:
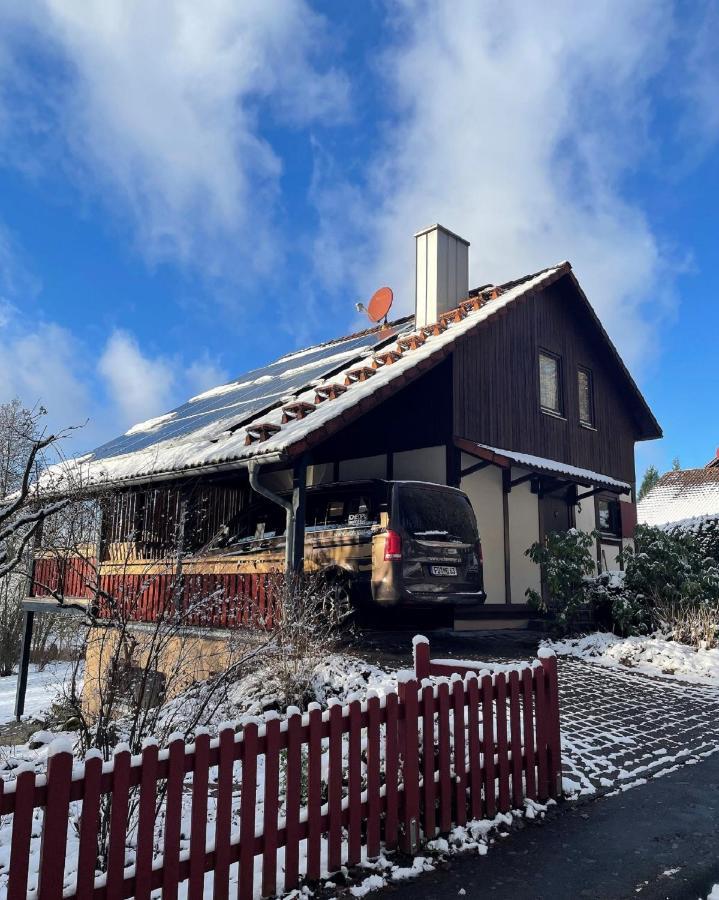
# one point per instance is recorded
(247, 396)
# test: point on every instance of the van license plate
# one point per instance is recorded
(443, 570)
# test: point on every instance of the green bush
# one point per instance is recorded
(670, 580)
(669, 568)
(566, 561)
(704, 534)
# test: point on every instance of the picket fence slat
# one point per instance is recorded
(391, 767)
(146, 822)
(515, 739)
(118, 825)
(354, 835)
(89, 826)
(223, 815)
(292, 800)
(502, 747)
(541, 735)
(373, 778)
(460, 772)
(173, 820)
(445, 783)
(428, 757)
(271, 794)
(528, 726)
(475, 769)
(198, 821)
(429, 793)
(54, 833)
(246, 874)
(410, 767)
(490, 804)
(314, 793)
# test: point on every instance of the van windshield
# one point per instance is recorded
(435, 515)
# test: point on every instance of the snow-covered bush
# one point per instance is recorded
(703, 532)
(674, 581)
(669, 582)
(566, 561)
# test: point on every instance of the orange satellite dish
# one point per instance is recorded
(380, 304)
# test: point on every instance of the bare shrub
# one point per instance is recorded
(696, 624)
(306, 634)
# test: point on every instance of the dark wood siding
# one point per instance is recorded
(496, 386)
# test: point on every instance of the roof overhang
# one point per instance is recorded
(506, 459)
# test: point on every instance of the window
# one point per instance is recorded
(550, 383)
(609, 517)
(585, 385)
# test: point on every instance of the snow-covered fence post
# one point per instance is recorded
(409, 756)
(420, 647)
(551, 684)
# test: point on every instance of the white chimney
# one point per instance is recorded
(442, 278)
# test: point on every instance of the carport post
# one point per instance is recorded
(21, 689)
(297, 524)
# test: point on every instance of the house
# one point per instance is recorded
(682, 494)
(512, 392)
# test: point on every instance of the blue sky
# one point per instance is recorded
(188, 190)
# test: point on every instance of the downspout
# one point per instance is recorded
(256, 485)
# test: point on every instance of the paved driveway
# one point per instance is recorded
(620, 727)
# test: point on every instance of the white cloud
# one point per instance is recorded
(161, 102)
(40, 366)
(514, 125)
(137, 385)
(204, 373)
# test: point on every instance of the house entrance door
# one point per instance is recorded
(556, 513)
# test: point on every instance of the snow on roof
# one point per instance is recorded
(150, 424)
(228, 432)
(680, 495)
(583, 476)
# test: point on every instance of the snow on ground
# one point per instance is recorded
(42, 689)
(655, 655)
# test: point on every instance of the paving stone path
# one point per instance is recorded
(620, 727)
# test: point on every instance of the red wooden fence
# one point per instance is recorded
(290, 798)
(214, 600)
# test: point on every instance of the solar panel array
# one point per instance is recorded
(253, 393)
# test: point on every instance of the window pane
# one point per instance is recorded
(584, 379)
(609, 517)
(549, 382)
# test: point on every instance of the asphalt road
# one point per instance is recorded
(613, 847)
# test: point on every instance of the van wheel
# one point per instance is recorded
(337, 588)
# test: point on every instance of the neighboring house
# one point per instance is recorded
(682, 494)
(513, 392)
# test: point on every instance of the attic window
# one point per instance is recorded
(585, 388)
(550, 383)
